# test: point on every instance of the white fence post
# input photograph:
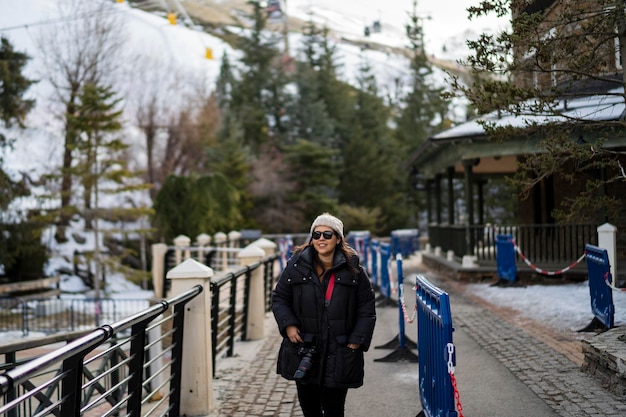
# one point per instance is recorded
(255, 328)
(182, 244)
(203, 241)
(267, 245)
(220, 240)
(197, 367)
(607, 239)
(158, 268)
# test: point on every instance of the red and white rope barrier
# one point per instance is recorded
(457, 396)
(610, 284)
(541, 271)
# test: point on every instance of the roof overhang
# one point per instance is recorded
(469, 141)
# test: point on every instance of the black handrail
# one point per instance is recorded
(61, 395)
(71, 361)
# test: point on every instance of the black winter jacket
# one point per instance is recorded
(298, 299)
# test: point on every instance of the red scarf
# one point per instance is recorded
(329, 289)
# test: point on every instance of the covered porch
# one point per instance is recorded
(456, 168)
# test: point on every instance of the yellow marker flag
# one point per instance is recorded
(209, 53)
(172, 18)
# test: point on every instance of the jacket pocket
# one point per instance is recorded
(288, 359)
(349, 367)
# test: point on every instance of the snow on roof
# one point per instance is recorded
(607, 106)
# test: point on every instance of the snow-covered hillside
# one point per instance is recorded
(170, 59)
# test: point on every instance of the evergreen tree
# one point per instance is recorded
(13, 86)
(95, 119)
(336, 95)
(193, 204)
(13, 110)
(423, 110)
(102, 165)
(224, 83)
(257, 94)
(312, 168)
(371, 166)
(309, 118)
(22, 256)
(84, 49)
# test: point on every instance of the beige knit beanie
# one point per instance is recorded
(326, 219)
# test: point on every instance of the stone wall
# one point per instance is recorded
(605, 359)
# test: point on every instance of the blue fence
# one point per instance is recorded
(385, 279)
(404, 241)
(374, 250)
(401, 344)
(435, 350)
(601, 294)
(505, 257)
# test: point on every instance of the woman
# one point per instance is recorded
(325, 310)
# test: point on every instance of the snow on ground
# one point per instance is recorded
(562, 306)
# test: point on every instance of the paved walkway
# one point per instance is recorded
(506, 366)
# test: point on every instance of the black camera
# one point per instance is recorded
(306, 362)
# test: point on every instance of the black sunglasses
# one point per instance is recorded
(327, 234)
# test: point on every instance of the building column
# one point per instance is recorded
(429, 201)
(481, 201)
(438, 197)
(450, 173)
(469, 203)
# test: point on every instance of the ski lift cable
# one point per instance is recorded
(60, 19)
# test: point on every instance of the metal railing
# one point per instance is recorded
(52, 315)
(230, 296)
(112, 370)
(544, 243)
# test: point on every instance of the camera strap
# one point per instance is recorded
(329, 289)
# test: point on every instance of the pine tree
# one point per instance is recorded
(194, 204)
(13, 86)
(422, 110)
(13, 110)
(337, 96)
(309, 117)
(102, 166)
(371, 166)
(257, 95)
(312, 169)
(22, 256)
(83, 49)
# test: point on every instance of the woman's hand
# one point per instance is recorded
(293, 333)
(353, 346)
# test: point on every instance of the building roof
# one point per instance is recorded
(469, 141)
